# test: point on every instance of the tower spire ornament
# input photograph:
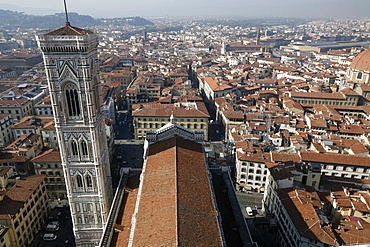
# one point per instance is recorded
(65, 10)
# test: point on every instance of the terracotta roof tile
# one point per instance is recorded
(165, 110)
(4, 170)
(123, 223)
(331, 158)
(15, 198)
(48, 156)
(300, 205)
(176, 206)
(68, 30)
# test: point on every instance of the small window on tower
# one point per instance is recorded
(79, 181)
(84, 148)
(74, 148)
(89, 181)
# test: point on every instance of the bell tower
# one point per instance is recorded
(71, 63)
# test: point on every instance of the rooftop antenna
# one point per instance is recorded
(65, 9)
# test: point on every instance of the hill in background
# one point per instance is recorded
(12, 20)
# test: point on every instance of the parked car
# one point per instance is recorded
(55, 222)
(52, 228)
(49, 237)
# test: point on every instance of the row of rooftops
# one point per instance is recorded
(337, 214)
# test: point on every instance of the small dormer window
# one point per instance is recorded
(359, 75)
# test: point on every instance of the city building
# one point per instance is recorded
(33, 92)
(17, 108)
(19, 153)
(214, 88)
(49, 136)
(5, 173)
(6, 134)
(49, 164)
(252, 170)
(20, 62)
(191, 115)
(108, 103)
(43, 107)
(189, 180)
(5, 237)
(71, 62)
(346, 97)
(301, 219)
(339, 165)
(23, 209)
(30, 124)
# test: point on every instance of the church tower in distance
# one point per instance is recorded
(71, 64)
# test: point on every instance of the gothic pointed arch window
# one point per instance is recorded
(84, 149)
(89, 181)
(72, 100)
(79, 181)
(74, 148)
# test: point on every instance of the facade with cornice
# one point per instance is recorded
(150, 117)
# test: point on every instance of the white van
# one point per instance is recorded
(249, 211)
(49, 237)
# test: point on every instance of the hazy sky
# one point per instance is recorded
(241, 8)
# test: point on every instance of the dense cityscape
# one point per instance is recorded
(185, 132)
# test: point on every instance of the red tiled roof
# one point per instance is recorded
(166, 110)
(13, 103)
(300, 205)
(317, 95)
(351, 228)
(123, 223)
(285, 157)
(216, 85)
(12, 157)
(176, 206)
(349, 92)
(48, 156)
(258, 157)
(4, 170)
(331, 158)
(15, 198)
(69, 30)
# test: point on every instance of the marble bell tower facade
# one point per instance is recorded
(71, 63)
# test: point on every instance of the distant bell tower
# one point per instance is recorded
(258, 36)
(71, 63)
(223, 48)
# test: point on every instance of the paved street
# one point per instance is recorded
(258, 224)
(64, 233)
(123, 129)
(250, 199)
(127, 153)
(215, 132)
